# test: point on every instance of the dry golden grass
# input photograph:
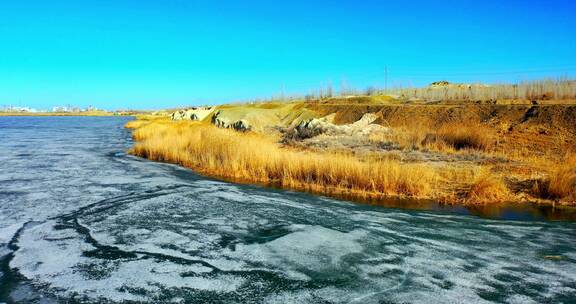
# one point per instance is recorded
(450, 137)
(135, 124)
(406, 138)
(562, 181)
(487, 188)
(253, 158)
(461, 136)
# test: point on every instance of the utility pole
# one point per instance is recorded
(386, 79)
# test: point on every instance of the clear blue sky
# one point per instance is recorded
(154, 54)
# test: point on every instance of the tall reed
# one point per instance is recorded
(253, 158)
(562, 182)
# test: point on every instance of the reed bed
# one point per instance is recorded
(461, 136)
(254, 158)
(449, 137)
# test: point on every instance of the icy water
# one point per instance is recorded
(82, 222)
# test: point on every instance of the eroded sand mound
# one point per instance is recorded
(313, 127)
(195, 113)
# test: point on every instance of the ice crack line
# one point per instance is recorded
(9, 276)
(363, 298)
(112, 252)
(113, 202)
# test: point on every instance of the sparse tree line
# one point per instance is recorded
(533, 90)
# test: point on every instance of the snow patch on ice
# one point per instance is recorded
(8, 232)
(313, 248)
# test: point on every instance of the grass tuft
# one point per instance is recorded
(461, 136)
(487, 188)
(562, 182)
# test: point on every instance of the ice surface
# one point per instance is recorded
(373, 256)
(107, 226)
(313, 248)
(8, 232)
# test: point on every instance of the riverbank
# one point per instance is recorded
(453, 153)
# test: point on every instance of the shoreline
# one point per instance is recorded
(430, 181)
(523, 211)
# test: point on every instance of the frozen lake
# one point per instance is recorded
(82, 222)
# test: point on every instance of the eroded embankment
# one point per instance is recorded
(455, 154)
(562, 116)
(528, 149)
(528, 130)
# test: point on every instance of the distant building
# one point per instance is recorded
(73, 109)
(61, 109)
(18, 109)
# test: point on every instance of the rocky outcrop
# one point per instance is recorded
(314, 127)
(241, 125)
(366, 119)
(445, 85)
(220, 121)
(442, 83)
(195, 113)
(179, 115)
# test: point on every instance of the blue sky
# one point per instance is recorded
(155, 54)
